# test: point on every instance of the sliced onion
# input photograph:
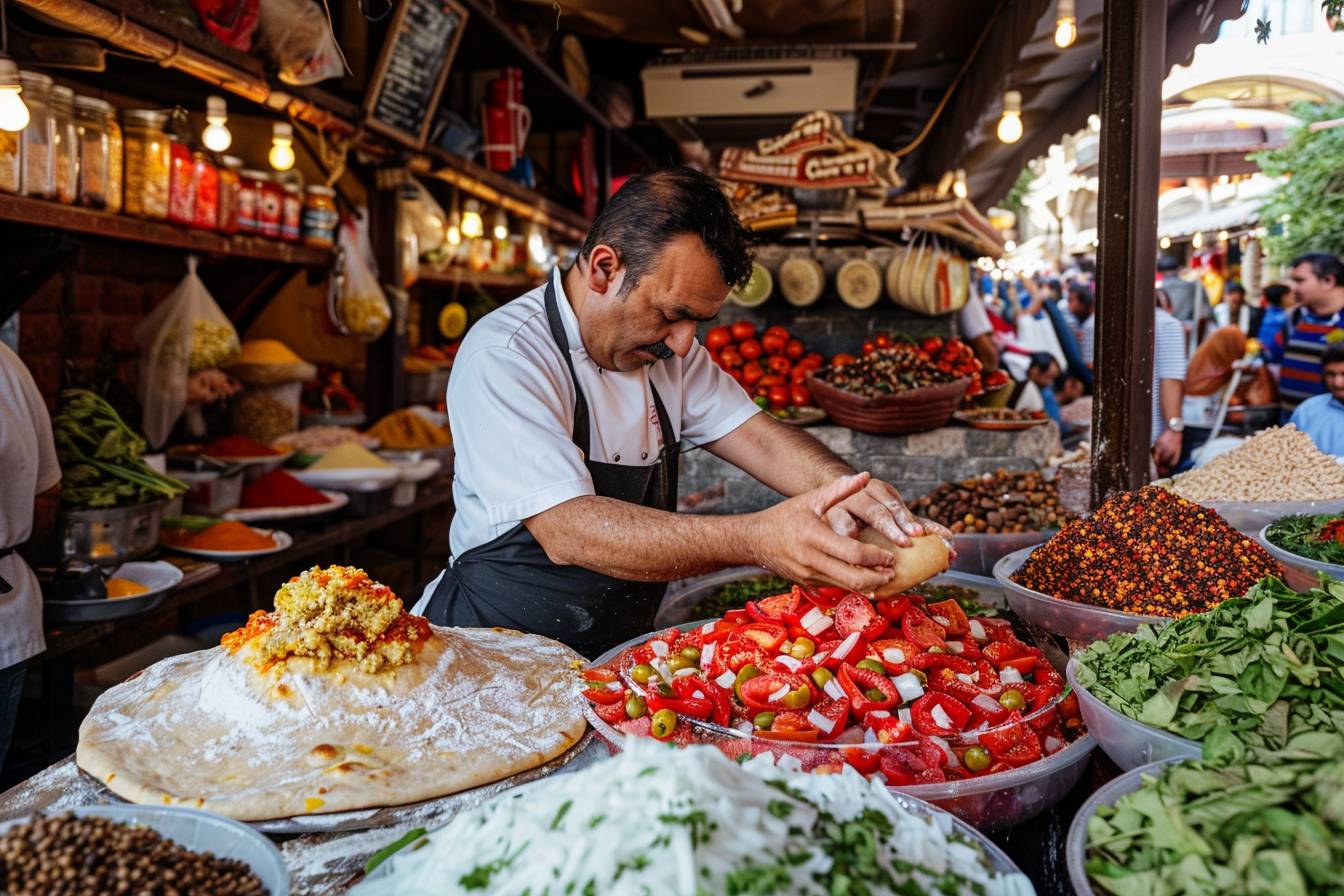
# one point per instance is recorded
(726, 680)
(1009, 675)
(660, 648)
(986, 704)
(956, 647)
(941, 718)
(908, 686)
(821, 722)
(948, 755)
(682, 673)
(833, 690)
(942, 620)
(904, 714)
(978, 630)
(815, 621)
(788, 662)
(1052, 744)
(779, 694)
(846, 647)
(708, 627)
(879, 714)
(893, 655)
(707, 655)
(964, 678)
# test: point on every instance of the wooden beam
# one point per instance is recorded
(1134, 35)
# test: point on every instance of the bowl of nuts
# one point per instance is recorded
(889, 392)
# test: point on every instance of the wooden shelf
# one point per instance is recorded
(40, 213)
(484, 279)
(495, 189)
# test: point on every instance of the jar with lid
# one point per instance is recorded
(249, 200)
(207, 192)
(270, 206)
(181, 184)
(148, 164)
(95, 164)
(291, 212)
(229, 186)
(115, 171)
(319, 216)
(11, 180)
(38, 176)
(65, 146)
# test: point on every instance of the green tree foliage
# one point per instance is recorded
(1313, 194)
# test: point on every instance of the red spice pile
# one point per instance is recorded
(237, 446)
(1148, 552)
(279, 489)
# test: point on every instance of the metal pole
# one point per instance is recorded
(1133, 54)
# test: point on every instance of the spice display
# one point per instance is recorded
(148, 164)
(213, 344)
(118, 587)
(1253, 673)
(181, 184)
(886, 371)
(95, 161)
(279, 489)
(36, 140)
(406, 430)
(265, 362)
(291, 212)
(226, 447)
(350, 456)
(1148, 552)
(736, 595)
(65, 145)
(1277, 464)
(772, 368)
(206, 180)
(101, 458)
(995, 502)
(321, 439)
(226, 535)
(328, 394)
(266, 412)
(68, 854)
(11, 176)
(230, 184)
(319, 218)
(1317, 537)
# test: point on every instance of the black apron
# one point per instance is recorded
(510, 582)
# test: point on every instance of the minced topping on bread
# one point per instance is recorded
(332, 615)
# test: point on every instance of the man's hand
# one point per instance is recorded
(880, 506)
(795, 540)
(1167, 450)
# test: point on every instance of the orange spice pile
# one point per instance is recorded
(1148, 552)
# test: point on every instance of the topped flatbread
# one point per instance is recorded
(337, 700)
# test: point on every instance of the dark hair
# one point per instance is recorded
(1333, 354)
(1168, 263)
(1041, 361)
(1275, 293)
(654, 207)
(1163, 298)
(1323, 264)
(1083, 292)
(1234, 286)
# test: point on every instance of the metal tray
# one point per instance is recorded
(159, 576)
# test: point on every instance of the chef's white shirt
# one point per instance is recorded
(28, 457)
(511, 411)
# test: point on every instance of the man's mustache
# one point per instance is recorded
(659, 350)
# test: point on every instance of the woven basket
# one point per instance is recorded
(916, 410)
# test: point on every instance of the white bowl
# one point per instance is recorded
(1128, 742)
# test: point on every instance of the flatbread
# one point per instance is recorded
(208, 730)
(926, 557)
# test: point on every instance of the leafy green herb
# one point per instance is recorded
(101, 458)
(560, 814)
(779, 808)
(734, 595)
(392, 848)
(1316, 537)
(478, 878)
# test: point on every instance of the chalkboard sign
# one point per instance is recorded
(411, 72)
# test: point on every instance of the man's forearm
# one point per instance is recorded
(783, 457)
(1171, 397)
(638, 543)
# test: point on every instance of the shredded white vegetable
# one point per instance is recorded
(679, 822)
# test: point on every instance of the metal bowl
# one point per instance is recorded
(108, 536)
(159, 577)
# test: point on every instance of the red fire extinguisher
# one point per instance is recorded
(505, 121)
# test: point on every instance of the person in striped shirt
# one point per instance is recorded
(1318, 321)
(1169, 366)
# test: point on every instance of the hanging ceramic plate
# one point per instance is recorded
(859, 283)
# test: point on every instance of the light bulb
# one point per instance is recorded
(472, 225)
(13, 111)
(216, 136)
(1094, 121)
(1164, 243)
(501, 225)
(959, 184)
(1010, 125)
(282, 146)
(536, 245)
(1197, 240)
(453, 231)
(1066, 24)
(1222, 236)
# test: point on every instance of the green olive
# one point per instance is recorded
(802, 649)
(1012, 700)
(665, 689)
(822, 677)
(677, 663)
(919, 673)
(875, 694)
(764, 720)
(634, 706)
(935, 649)
(745, 674)
(664, 722)
(871, 665)
(642, 673)
(798, 698)
(691, 653)
(977, 759)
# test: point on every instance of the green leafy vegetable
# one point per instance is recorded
(101, 458)
(1316, 537)
(390, 849)
(734, 596)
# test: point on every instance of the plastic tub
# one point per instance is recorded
(1249, 517)
(977, 552)
(211, 493)
(200, 832)
(1129, 743)
(1292, 561)
(1067, 618)
(1075, 845)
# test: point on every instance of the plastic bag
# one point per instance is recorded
(232, 22)
(359, 307)
(423, 216)
(187, 333)
(296, 36)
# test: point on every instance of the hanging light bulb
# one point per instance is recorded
(1066, 24)
(959, 184)
(501, 230)
(13, 112)
(282, 146)
(1197, 240)
(453, 231)
(472, 225)
(1094, 121)
(1010, 125)
(1222, 236)
(1164, 243)
(536, 244)
(216, 136)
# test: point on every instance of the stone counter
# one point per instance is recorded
(915, 464)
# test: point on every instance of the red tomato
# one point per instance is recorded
(864, 761)
(752, 371)
(717, 338)
(1024, 664)
(878, 651)
(730, 357)
(786, 608)
(794, 349)
(825, 596)
(893, 608)
(842, 360)
(1000, 652)
(931, 345)
(904, 765)
(798, 375)
(922, 630)
(800, 396)
(611, 713)
(882, 340)
(765, 635)
(835, 711)
(950, 616)
(770, 380)
(781, 366)
(743, 330)
(779, 397)
(869, 347)
(812, 361)
(779, 331)
(736, 375)
(1013, 743)
(773, 343)
(855, 613)
(750, 349)
(790, 725)
(756, 692)
(921, 714)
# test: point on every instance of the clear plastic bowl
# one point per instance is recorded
(1129, 743)
(1306, 568)
(1249, 517)
(989, 803)
(1067, 618)
(1075, 846)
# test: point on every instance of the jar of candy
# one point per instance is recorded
(37, 139)
(207, 192)
(291, 212)
(270, 207)
(182, 185)
(148, 164)
(95, 163)
(319, 216)
(249, 200)
(230, 184)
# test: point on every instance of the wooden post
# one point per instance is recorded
(1133, 54)
(385, 381)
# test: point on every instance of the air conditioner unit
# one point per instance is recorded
(750, 84)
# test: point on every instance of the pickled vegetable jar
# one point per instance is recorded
(148, 164)
(249, 200)
(182, 185)
(207, 192)
(291, 212)
(39, 173)
(319, 216)
(230, 184)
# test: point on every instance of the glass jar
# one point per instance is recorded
(39, 172)
(95, 165)
(114, 162)
(207, 192)
(10, 172)
(230, 184)
(319, 216)
(249, 200)
(181, 185)
(270, 207)
(291, 212)
(65, 146)
(148, 164)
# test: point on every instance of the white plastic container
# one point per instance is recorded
(1129, 743)
(1308, 567)
(211, 493)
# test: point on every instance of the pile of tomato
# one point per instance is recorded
(918, 692)
(772, 367)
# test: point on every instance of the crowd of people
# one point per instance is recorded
(1283, 349)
